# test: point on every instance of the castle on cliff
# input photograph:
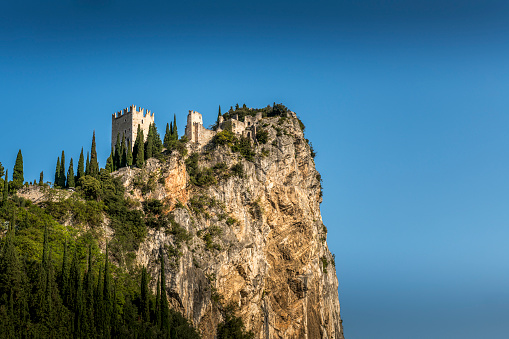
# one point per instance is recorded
(125, 123)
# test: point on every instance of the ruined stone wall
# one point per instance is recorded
(195, 132)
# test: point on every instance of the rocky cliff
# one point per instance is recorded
(254, 236)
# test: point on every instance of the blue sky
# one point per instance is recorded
(404, 101)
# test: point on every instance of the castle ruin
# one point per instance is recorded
(199, 135)
(126, 121)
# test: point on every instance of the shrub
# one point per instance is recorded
(262, 136)
(238, 170)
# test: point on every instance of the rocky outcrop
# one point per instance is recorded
(257, 240)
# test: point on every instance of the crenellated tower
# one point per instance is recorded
(126, 123)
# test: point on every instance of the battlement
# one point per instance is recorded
(125, 123)
(196, 133)
(130, 110)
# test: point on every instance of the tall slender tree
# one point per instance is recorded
(80, 172)
(107, 302)
(109, 163)
(167, 136)
(70, 175)
(129, 156)
(87, 165)
(138, 151)
(117, 153)
(62, 171)
(165, 316)
(123, 152)
(144, 296)
(149, 145)
(57, 173)
(5, 191)
(41, 178)
(17, 175)
(158, 144)
(94, 164)
(175, 131)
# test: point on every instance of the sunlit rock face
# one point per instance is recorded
(256, 240)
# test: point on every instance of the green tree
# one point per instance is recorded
(232, 327)
(149, 145)
(138, 151)
(129, 157)
(5, 191)
(94, 165)
(107, 300)
(109, 163)
(123, 153)
(117, 155)
(13, 284)
(41, 178)
(167, 136)
(2, 173)
(70, 175)
(87, 165)
(158, 144)
(64, 277)
(165, 319)
(175, 131)
(57, 174)
(17, 174)
(62, 178)
(144, 297)
(80, 173)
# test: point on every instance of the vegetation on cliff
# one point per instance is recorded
(80, 245)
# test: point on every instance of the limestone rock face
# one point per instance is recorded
(257, 239)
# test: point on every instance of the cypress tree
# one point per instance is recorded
(117, 155)
(17, 175)
(123, 152)
(2, 173)
(57, 174)
(138, 151)
(107, 302)
(109, 163)
(94, 165)
(158, 144)
(165, 320)
(167, 136)
(149, 145)
(76, 295)
(64, 277)
(89, 323)
(158, 301)
(129, 157)
(175, 132)
(5, 191)
(70, 175)
(144, 298)
(87, 165)
(81, 170)
(41, 178)
(62, 171)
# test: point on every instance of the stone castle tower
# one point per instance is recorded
(126, 121)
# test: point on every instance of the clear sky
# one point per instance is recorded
(405, 102)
